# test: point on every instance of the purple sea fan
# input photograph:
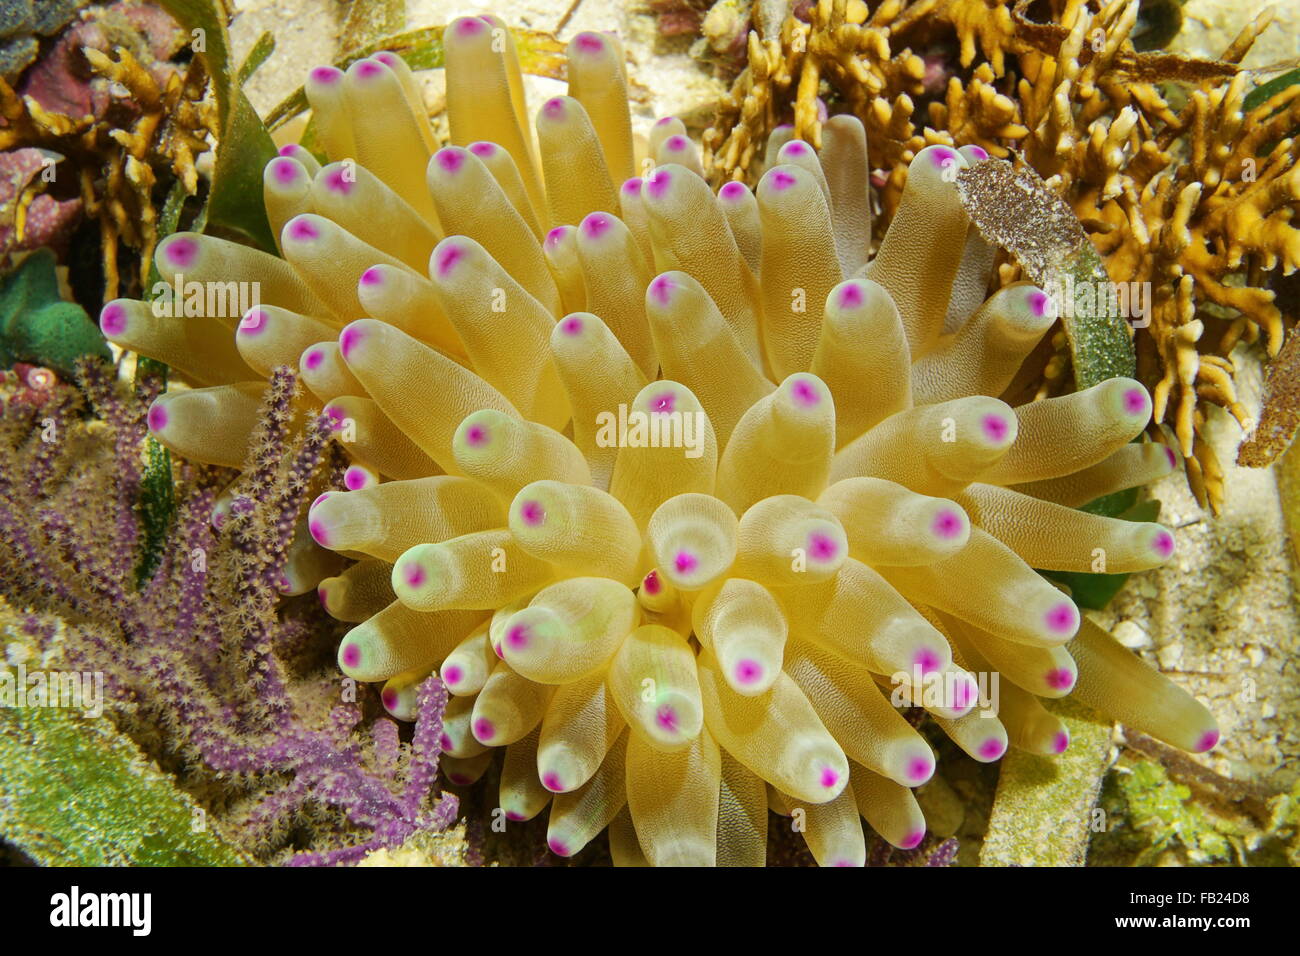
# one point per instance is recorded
(674, 489)
(201, 665)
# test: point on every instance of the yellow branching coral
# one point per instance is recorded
(673, 489)
(1192, 201)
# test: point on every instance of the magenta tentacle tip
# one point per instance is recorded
(796, 147)
(373, 276)
(1061, 742)
(661, 289)
(1040, 303)
(685, 562)
(1059, 678)
(290, 149)
(963, 695)
(552, 782)
(588, 43)
(822, 547)
(748, 671)
(349, 339)
(337, 180)
(368, 68)
(780, 179)
(632, 187)
(947, 524)
(1136, 402)
(284, 170)
(322, 595)
(666, 717)
(912, 840)
(325, 75)
(1208, 741)
(484, 730)
(445, 742)
(920, 770)
(1063, 618)
(319, 533)
(469, 26)
(652, 584)
(253, 322)
(992, 749)
(450, 159)
(482, 148)
(515, 816)
(554, 237)
(447, 259)
(386, 58)
(829, 778)
(182, 251)
(157, 417)
(519, 636)
(355, 478)
(319, 498)
(1163, 543)
(554, 108)
(596, 225)
(414, 575)
(927, 660)
(573, 325)
(558, 846)
(942, 156)
(732, 191)
(979, 152)
(351, 655)
(532, 513)
(658, 182)
(452, 675)
(995, 428)
(805, 392)
(389, 697)
(112, 319)
(302, 229)
(1171, 457)
(476, 435)
(851, 295)
(677, 143)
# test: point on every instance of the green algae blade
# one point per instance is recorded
(1045, 808)
(75, 792)
(1013, 208)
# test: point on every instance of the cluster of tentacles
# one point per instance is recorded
(674, 490)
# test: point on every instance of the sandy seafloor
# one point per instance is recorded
(1222, 617)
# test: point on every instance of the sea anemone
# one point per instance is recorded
(674, 490)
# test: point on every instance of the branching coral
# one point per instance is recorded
(200, 665)
(671, 498)
(1193, 200)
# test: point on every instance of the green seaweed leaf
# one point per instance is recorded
(1266, 91)
(262, 49)
(368, 20)
(244, 146)
(38, 326)
(76, 792)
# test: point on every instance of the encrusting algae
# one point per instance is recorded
(671, 624)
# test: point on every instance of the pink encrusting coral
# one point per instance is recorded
(675, 489)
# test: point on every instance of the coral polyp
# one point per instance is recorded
(675, 490)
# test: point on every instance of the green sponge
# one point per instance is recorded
(37, 326)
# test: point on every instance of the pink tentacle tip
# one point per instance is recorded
(558, 846)
(157, 417)
(822, 547)
(289, 149)
(732, 191)
(677, 143)
(325, 75)
(320, 534)
(351, 655)
(112, 319)
(912, 840)
(302, 229)
(322, 595)
(470, 26)
(284, 171)
(373, 276)
(519, 636)
(748, 672)
(460, 779)
(992, 749)
(805, 392)
(652, 584)
(445, 742)
(349, 339)
(413, 574)
(1040, 303)
(979, 152)
(476, 435)
(552, 782)
(829, 777)
(1209, 740)
(851, 295)
(658, 182)
(554, 237)
(339, 180)
(685, 562)
(389, 697)
(920, 770)
(1171, 457)
(447, 260)
(1061, 742)
(572, 325)
(1136, 401)
(311, 361)
(665, 403)
(664, 120)
(450, 159)
(1060, 678)
(596, 225)
(452, 676)
(948, 524)
(963, 695)
(253, 322)
(532, 513)
(182, 252)
(942, 156)
(386, 58)
(1163, 543)
(1063, 618)
(319, 498)
(355, 478)
(666, 718)
(588, 43)
(927, 660)
(661, 289)
(781, 180)
(554, 108)
(995, 428)
(796, 147)
(482, 148)
(632, 187)
(368, 69)
(484, 730)
(515, 816)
